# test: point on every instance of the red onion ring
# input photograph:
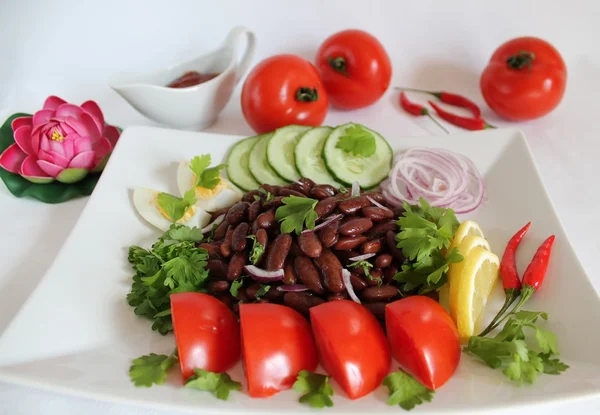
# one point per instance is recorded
(346, 278)
(261, 275)
(217, 222)
(292, 288)
(361, 257)
(327, 221)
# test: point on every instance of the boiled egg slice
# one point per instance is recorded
(222, 196)
(145, 202)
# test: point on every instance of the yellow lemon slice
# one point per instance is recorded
(475, 283)
(464, 248)
(467, 228)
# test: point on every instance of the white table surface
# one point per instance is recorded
(70, 48)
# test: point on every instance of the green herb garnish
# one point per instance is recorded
(219, 384)
(262, 291)
(296, 214)
(257, 249)
(175, 206)
(151, 369)
(206, 177)
(236, 285)
(358, 141)
(315, 388)
(406, 391)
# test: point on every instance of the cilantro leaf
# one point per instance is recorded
(546, 340)
(151, 369)
(257, 249)
(365, 265)
(262, 291)
(174, 206)
(406, 391)
(358, 141)
(316, 389)
(296, 214)
(552, 366)
(198, 164)
(205, 177)
(491, 351)
(235, 286)
(219, 384)
(182, 233)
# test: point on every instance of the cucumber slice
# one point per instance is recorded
(307, 154)
(257, 163)
(347, 168)
(280, 151)
(237, 164)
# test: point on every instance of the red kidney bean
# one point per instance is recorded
(353, 205)
(266, 219)
(274, 190)
(331, 269)
(305, 181)
(289, 276)
(274, 295)
(218, 213)
(262, 238)
(377, 309)
(371, 247)
(329, 234)
(390, 238)
(383, 293)
(308, 275)
(319, 192)
(376, 277)
(278, 252)
(381, 229)
(238, 238)
(345, 256)
(217, 268)
(236, 266)
(310, 244)
(357, 282)
(214, 250)
(326, 206)
(254, 210)
(217, 286)
(337, 297)
(383, 260)
(295, 249)
(252, 290)
(389, 272)
(289, 192)
(349, 242)
(221, 230)
(241, 295)
(398, 211)
(301, 188)
(376, 196)
(238, 213)
(355, 226)
(226, 245)
(273, 203)
(249, 197)
(301, 301)
(377, 214)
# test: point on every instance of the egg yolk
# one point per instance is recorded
(185, 218)
(202, 193)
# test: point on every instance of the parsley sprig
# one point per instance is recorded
(151, 369)
(219, 384)
(173, 264)
(257, 249)
(296, 214)
(174, 206)
(315, 388)
(358, 141)
(206, 177)
(366, 266)
(406, 391)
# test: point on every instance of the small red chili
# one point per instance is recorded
(451, 99)
(418, 110)
(473, 124)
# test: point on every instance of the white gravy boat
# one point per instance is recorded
(196, 107)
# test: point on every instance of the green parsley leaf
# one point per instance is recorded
(182, 233)
(358, 141)
(296, 214)
(546, 340)
(257, 250)
(174, 206)
(316, 389)
(491, 351)
(151, 369)
(206, 177)
(406, 391)
(552, 366)
(262, 291)
(219, 384)
(235, 286)
(365, 265)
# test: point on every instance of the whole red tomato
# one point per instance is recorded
(525, 79)
(352, 346)
(355, 69)
(423, 338)
(283, 90)
(276, 344)
(206, 332)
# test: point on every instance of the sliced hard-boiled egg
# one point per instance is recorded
(222, 196)
(145, 202)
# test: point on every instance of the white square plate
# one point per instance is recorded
(77, 334)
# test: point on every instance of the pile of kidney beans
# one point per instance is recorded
(313, 259)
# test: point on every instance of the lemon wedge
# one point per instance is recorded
(467, 228)
(473, 284)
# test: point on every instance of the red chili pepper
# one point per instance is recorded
(451, 99)
(416, 109)
(473, 124)
(509, 274)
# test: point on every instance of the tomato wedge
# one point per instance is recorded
(352, 346)
(206, 331)
(424, 339)
(276, 344)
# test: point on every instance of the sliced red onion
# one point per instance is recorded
(292, 288)
(346, 277)
(216, 222)
(361, 257)
(327, 221)
(261, 275)
(355, 190)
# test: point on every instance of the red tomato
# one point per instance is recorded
(206, 331)
(352, 346)
(525, 79)
(424, 339)
(355, 69)
(283, 90)
(276, 344)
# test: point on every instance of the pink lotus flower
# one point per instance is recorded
(60, 142)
